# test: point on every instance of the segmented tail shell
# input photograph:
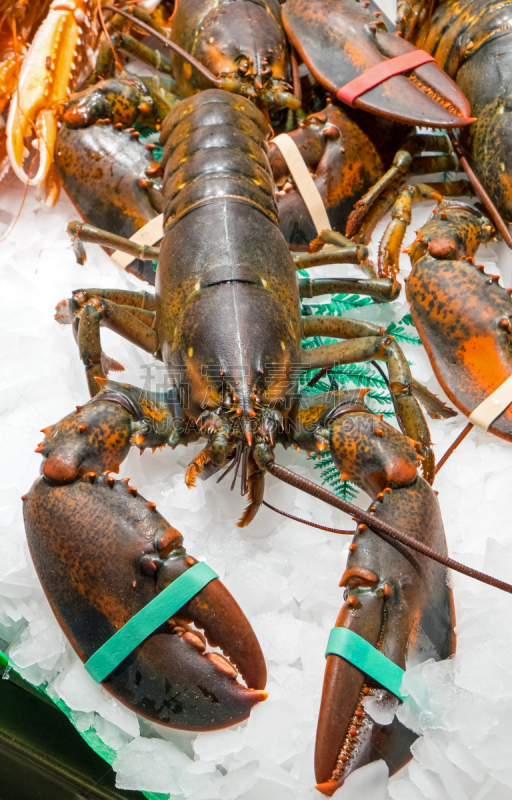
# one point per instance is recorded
(215, 147)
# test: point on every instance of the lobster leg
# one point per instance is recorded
(381, 290)
(410, 194)
(123, 297)
(407, 160)
(341, 251)
(128, 555)
(372, 343)
(399, 601)
(351, 254)
(148, 55)
(81, 232)
(133, 324)
(119, 38)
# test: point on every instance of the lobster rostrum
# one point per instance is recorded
(223, 258)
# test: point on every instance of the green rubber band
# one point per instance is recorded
(147, 620)
(357, 651)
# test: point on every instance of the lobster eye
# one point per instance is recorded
(243, 65)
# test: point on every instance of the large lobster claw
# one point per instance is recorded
(48, 69)
(339, 40)
(396, 599)
(102, 554)
(472, 363)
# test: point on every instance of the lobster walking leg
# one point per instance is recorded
(81, 232)
(389, 249)
(382, 291)
(395, 599)
(406, 160)
(344, 251)
(122, 297)
(365, 343)
(132, 324)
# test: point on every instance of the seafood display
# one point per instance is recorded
(197, 140)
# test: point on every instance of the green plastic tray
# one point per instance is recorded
(43, 756)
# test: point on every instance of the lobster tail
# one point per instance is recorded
(215, 145)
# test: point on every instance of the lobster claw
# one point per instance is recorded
(400, 603)
(102, 554)
(339, 40)
(396, 599)
(47, 71)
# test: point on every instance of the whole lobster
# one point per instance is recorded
(224, 259)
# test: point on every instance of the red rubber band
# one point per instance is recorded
(381, 72)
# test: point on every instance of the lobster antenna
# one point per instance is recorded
(381, 371)
(493, 212)
(183, 53)
(105, 31)
(454, 446)
(317, 376)
(379, 526)
(307, 521)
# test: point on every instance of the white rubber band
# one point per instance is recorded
(494, 405)
(149, 234)
(303, 181)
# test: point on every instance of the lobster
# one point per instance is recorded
(222, 257)
(467, 340)
(242, 47)
(17, 27)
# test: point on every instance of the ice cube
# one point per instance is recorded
(151, 765)
(381, 706)
(272, 729)
(366, 783)
(278, 635)
(81, 693)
